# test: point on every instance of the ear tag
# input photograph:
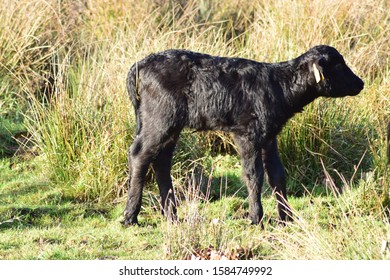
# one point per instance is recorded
(317, 74)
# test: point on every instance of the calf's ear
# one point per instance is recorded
(317, 69)
(317, 73)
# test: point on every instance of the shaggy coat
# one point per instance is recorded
(174, 89)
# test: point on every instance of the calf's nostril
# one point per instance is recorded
(361, 84)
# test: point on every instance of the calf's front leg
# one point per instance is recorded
(253, 174)
(276, 178)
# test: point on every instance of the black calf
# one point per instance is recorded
(177, 88)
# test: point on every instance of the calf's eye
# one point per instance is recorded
(339, 67)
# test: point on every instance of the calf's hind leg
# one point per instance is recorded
(141, 153)
(162, 168)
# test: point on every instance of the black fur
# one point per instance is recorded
(174, 89)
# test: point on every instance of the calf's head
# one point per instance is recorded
(330, 74)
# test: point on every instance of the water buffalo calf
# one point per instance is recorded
(174, 89)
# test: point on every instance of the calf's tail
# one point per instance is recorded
(132, 89)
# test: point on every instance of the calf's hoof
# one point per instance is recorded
(129, 220)
(257, 221)
(127, 223)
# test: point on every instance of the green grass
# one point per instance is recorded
(62, 85)
(37, 222)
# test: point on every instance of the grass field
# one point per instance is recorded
(66, 124)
